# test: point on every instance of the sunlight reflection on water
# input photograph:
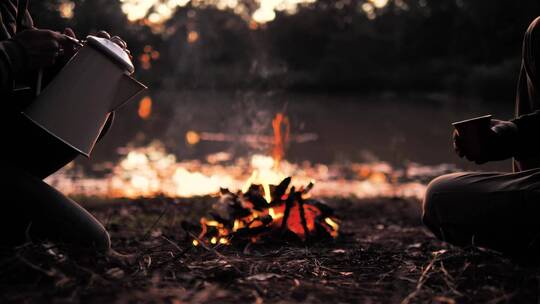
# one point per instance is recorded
(150, 171)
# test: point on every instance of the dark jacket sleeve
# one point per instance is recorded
(12, 59)
(11, 62)
(528, 135)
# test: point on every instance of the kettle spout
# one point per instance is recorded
(128, 88)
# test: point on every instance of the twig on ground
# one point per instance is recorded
(214, 251)
(449, 280)
(423, 277)
(46, 272)
(174, 244)
(149, 230)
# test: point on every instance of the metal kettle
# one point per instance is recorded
(76, 104)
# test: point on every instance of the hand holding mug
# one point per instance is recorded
(484, 139)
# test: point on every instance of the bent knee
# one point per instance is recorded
(442, 184)
(102, 242)
(432, 198)
(92, 237)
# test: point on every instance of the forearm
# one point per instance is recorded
(527, 135)
(11, 62)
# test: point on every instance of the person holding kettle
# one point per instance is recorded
(31, 209)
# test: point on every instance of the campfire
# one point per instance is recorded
(268, 213)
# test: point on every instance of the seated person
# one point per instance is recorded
(31, 209)
(499, 211)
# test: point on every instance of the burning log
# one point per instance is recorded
(288, 205)
(250, 217)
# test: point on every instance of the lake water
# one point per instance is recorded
(392, 128)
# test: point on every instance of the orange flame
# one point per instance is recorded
(145, 107)
(282, 129)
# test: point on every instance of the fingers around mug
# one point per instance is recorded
(496, 122)
(462, 151)
(59, 37)
(69, 32)
(456, 148)
(458, 151)
(455, 136)
(119, 42)
(50, 45)
(458, 145)
(103, 34)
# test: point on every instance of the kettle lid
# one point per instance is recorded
(112, 50)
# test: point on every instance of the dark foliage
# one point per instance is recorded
(464, 47)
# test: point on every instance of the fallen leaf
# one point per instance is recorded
(444, 300)
(263, 276)
(115, 273)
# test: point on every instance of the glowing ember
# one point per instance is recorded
(145, 107)
(267, 213)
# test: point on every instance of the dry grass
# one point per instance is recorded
(384, 256)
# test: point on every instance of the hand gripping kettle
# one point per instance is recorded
(76, 104)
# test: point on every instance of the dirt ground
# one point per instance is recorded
(384, 255)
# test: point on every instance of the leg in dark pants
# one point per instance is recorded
(33, 209)
(38, 211)
(495, 210)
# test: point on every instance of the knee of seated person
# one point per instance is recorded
(432, 198)
(96, 240)
(444, 184)
(102, 242)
